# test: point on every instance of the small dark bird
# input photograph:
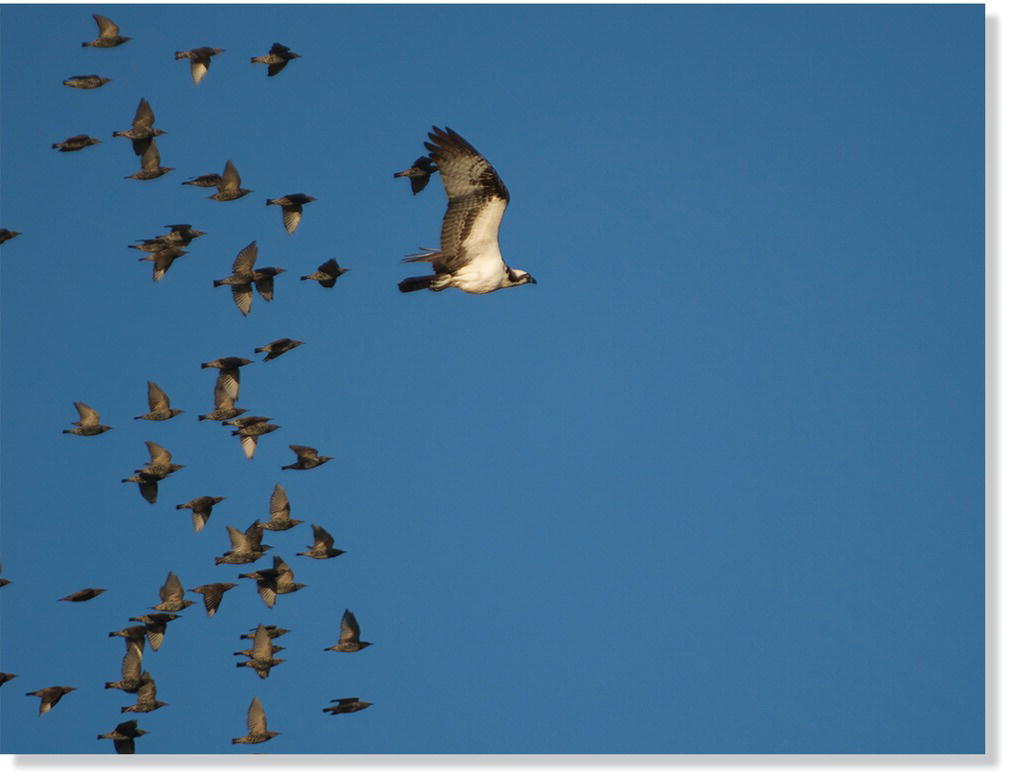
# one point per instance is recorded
(200, 60)
(256, 724)
(123, 736)
(246, 546)
(273, 631)
(276, 59)
(229, 187)
(201, 508)
(275, 581)
(161, 464)
(307, 458)
(279, 511)
(50, 697)
(228, 376)
(250, 434)
(142, 130)
(6, 235)
(245, 421)
(147, 484)
(323, 545)
(348, 639)
(277, 348)
(154, 625)
(418, 173)
(347, 706)
(76, 143)
(326, 273)
(291, 209)
(82, 595)
(163, 259)
(241, 280)
(171, 594)
(158, 403)
(86, 82)
(181, 234)
(89, 423)
(108, 34)
(151, 165)
(207, 180)
(133, 638)
(4, 678)
(147, 692)
(130, 668)
(213, 594)
(263, 279)
(262, 659)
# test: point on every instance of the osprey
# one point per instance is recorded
(469, 256)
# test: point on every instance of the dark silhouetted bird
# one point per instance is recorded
(277, 348)
(348, 638)
(323, 545)
(250, 434)
(130, 668)
(163, 259)
(275, 581)
(276, 59)
(146, 483)
(6, 235)
(200, 60)
(307, 458)
(201, 508)
(273, 631)
(256, 724)
(171, 594)
(123, 736)
(151, 165)
(291, 209)
(347, 706)
(229, 188)
(262, 659)
(418, 173)
(327, 273)
(50, 697)
(228, 376)
(181, 234)
(158, 403)
(246, 546)
(241, 280)
(4, 678)
(213, 595)
(263, 279)
(147, 693)
(89, 423)
(108, 34)
(161, 464)
(82, 595)
(142, 130)
(154, 627)
(279, 511)
(76, 143)
(86, 82)
(207, 180)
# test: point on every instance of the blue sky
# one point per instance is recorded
(715, 485)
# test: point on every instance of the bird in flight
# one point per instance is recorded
(200, 60)
(276, 59)
(108, 34)
(418, 173)
(469, 256)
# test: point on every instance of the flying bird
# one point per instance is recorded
(147, 693)
(469, 256)
(279, 511)
(291, 209)
(276, 59)
(347, 706)
(206, 180)
(171, 594)
(154, 627)
(50, 696)
(86, 82)
(163, 259)
(307, 458)
(158, 405)
(348, 639)
(323, 545)
(89, 423)
(142, 130)
(213, 594)
(246, 546)
(277, 348)
(200, 60)
(82, 595)
(228, 375)
(108, 34)
(229, 187)
(326, 273)
(273, 631)
(147, 477)
(4, 678)
(130, 667)
(418, 173)
(241, 280)
(274, 581)
(123, 736)
(262, 658)
(151, 165)
(201, 508)
(249, 435)
(256, 725)
(76, 143)
(180, 234)
(6, 235)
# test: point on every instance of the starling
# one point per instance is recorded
(291, 209)
(347, 706)
(50, 697)
(279, 512)
(327, 273)
(246, 547)
(86, 82)
(200, 60)
(76, 143)
(263, 278)
(256, 724)
(307, 458)
(262, 659)
(272, 582)
(171, 594)
(163, 259)
(89, 424)
(4, 678)
(133, 637)
(207, 180)
(273, 631)
(348, 639)
(108, 34)
(123, 736)
(142, 130)
(213, 595)
(146, 694)
(82, 595)
(241, 280)
(158, 403)
(250, 434)
(323, 545)
(130, 669)
(146, 483)
(276, 59)
(154, 627)
(161, 464)
(229, 187)
(418, 173)
(201, 508)
(6, 235)
(151, 165)
(181, 234)
(277, 348)
(227, 385)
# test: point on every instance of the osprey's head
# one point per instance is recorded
(516, 277)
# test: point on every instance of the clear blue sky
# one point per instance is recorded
(715, 485)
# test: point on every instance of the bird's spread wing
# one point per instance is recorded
(243, 264)
(144, 118)
(160, 456)
(107, 28)
(157, 399)
(279, 506)
(89, 416)
(256, 720)
(349, 627)
(230, 177)
(242, 296)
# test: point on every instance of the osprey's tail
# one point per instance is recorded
(414, 283)
(426, 255)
